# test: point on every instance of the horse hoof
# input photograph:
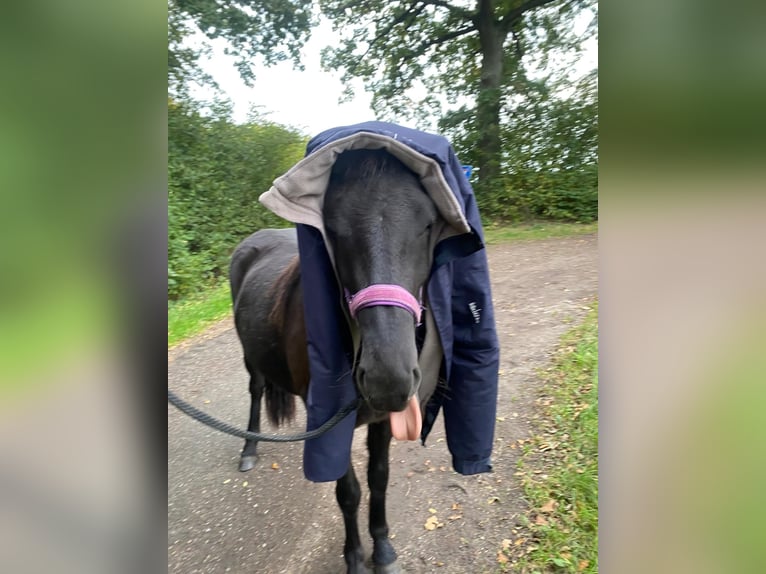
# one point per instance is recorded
(247, 462)
(392, 568)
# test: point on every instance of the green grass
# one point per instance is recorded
(560, 471)
(191, 316)
(542, 230)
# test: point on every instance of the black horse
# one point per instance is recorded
(377, 218)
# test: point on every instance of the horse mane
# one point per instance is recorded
(281, 290)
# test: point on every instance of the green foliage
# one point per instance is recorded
(267, 31)
(216, 171)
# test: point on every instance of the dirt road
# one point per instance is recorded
(271, 520)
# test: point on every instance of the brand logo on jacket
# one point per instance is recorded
(475, 311)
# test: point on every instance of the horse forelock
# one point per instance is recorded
(369, 166)
(386, 184)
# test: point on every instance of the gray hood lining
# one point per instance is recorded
(298, 195)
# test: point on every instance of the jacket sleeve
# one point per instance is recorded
(469, 412)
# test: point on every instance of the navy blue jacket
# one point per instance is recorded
(461, 303)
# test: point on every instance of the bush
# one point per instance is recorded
(216, 171)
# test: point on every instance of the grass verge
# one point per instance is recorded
(541, 230)
(559, 467)
(190, 316)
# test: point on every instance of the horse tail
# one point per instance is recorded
(280, 404)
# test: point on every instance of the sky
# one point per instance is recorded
(307, 100)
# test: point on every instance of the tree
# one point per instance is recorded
(458, 50)
(271, 30)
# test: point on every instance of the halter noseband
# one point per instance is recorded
(382, 294)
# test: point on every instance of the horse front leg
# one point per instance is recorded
(348, 494)
(249, 455)
(378, 443)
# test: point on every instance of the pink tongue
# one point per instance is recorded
(405, 425)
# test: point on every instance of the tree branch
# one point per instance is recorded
(519, 51)
(510, 18)
(420, 50)
(451, 7)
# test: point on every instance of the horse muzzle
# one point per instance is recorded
(388, 375)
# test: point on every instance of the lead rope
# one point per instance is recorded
(218, 425)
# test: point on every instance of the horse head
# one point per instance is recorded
(377, 219)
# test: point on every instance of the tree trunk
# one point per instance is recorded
(489, 154)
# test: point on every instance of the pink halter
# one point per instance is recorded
(381, 294)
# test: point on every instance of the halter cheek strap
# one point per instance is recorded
(387, 295)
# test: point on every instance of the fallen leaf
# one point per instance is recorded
(500, 419)
(506, 543)
(456, 506)
(455, 517)
(501, 557)
(439, 564)
(513, 446)
(432, 510)
(492, 500)
(548, 506)
(541, 521)
(433, 523)
(519, 541)
(443, 468)
(582, 565)
(275, 466)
